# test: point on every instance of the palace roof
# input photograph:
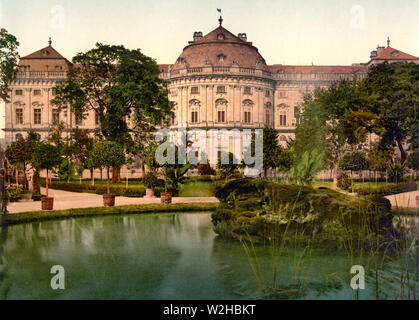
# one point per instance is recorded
(220, 48)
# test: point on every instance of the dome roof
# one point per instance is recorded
(220, 48)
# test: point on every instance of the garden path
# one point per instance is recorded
(73, 200)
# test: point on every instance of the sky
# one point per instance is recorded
(292, 32)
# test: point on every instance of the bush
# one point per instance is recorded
(13, 194)
(98, 189)
(388, 189)
(344, 181)
(396, 171)
(151, 181)
(205, 169)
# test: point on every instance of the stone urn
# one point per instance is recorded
(109, 199)
(417, 201)
(47, 203)
(149, 193)
(26, 195)
(166, 197)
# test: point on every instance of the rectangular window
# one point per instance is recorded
(194, 116)
(54, 92)
(247, 90)
(221, 89)
(282, 94)
(221, 116)
(267, 117)
(247, 116)
(19, 116)
(173, 118)
(195, 90)
(267, 93)
(55, 116)
(19, 92)
(36, 92)
(37, 116)
(282, 119)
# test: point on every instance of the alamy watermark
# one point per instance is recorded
(198, 146)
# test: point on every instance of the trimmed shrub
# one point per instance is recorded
(344, 181)
(98, 189)
(388, 189)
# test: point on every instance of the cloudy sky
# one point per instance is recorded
(323, 32)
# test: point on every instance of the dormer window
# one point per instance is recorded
(281, 71)
(395, 53)
(221, 57)
(181, 60)
(220, 36)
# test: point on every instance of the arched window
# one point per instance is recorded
(19, 136)
(221, 107)
(282, 138)
(194, 105)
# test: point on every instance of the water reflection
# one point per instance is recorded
(160, 256)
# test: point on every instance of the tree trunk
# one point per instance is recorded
(165, 179)
(403, 155)
(142, 169)
(335, 176)
(107, 180)
(116, 174)
(92, 177)
(46, 183)
(101, 174)
(17, 177)
(36, 181)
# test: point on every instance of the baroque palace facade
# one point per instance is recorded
(220, 80)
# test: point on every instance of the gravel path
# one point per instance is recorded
(72, 200)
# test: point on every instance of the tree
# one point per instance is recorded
(354, 161)
(304, 170)
(227, 164)
(390, 91)
(332, 119)
(19, 153)
(46, 156)
(8, 62)
(271, 149)
(106, 154)
(80, 147)
(378, 158)
(122, 87)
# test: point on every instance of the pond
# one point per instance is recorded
(173, 256)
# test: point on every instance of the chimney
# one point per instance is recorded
(242, 36)
(373, 54)
(379, 49)
(197, 35)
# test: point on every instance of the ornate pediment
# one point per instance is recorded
(268, 105)
(194, 102)
(221, 102)
(247, 103)
(282, 106)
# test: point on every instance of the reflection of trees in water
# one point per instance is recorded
(300, 274)
(4, 284)
(104, 257)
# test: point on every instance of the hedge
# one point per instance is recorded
(24, 217)
(388, 189)
(98, 189)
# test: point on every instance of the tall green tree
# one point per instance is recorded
(8, 62)
(391, 92)
(122, 87)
